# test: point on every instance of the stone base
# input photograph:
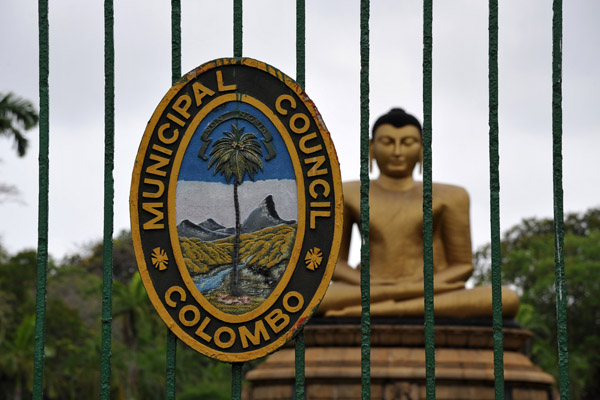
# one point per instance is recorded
(464, 363)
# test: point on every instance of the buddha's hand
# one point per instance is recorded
(441, 287)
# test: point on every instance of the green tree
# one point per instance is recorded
(141, 355)
(72, 350)
(17, 115)
(69, 352)
(17, 318)
(528, 265)
(16, 361)
(91, 258)
(234, 156)
(139, 335)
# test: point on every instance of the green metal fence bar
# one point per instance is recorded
(171, 365)
(171, 353)
(237, 28)
(109, 151)
(559, 231)
(365, 278)
(175, 40)
(428, 198)
(301, 42)
(42, 251)
(300, 78)
(236, 368)
(300, 364)
(495, 200)
(236, 381)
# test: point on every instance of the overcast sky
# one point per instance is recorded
(460, 127)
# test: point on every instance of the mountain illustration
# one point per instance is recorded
(262, 217)
(211, 224)
(188, 229)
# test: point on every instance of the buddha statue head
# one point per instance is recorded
(396, 143)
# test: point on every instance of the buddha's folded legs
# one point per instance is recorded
(466, 303)
(341, 295)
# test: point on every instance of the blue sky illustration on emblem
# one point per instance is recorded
(194, 168)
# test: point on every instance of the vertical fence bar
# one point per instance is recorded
(236, 368)
(428, 199)
(495, 199)
(365, 278)
(175, 40)
(236, 380)
(301, 42)
(559, 231)
(109, 150)
(237, 28)
(300, 365)
(42, 252)
(171, 365)
(171, 353)
(300, 78)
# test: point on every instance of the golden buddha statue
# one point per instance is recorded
(396, 237)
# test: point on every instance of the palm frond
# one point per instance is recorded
(236, 154)
(17, 115)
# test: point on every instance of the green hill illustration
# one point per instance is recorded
(263, 249)
(264, 256)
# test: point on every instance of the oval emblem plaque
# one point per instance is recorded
(236, 209)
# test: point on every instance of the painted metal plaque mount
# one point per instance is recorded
(236, 209)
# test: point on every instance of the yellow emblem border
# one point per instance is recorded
(280, 288)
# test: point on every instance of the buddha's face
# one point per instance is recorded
(396, 150)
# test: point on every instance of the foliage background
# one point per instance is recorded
(73, 333)
(528, 267)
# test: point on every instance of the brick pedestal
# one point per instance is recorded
(464, 363)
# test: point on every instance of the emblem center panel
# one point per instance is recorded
(267, 208)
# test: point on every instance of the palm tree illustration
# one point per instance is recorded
(234, 156)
